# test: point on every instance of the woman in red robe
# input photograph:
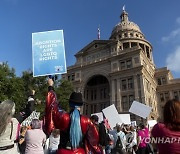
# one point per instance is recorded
(78, 134)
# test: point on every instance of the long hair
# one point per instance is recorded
(75, 129)
(6, 114)
(171, 114)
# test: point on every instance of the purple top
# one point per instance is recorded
(144, 134)
(35, 139)
(168, 141)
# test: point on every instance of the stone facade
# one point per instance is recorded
(168, 87)
(120, 70)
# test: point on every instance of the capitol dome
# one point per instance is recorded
(125, 25)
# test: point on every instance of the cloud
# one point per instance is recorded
(178, 20)
(174, 34)
(173, 60)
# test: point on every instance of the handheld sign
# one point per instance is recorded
(48, 53)
(140, 109)
(112, 115)
(151, 123)
(125, 118)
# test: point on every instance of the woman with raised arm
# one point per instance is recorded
(78, 134)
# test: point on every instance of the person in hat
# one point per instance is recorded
(78, 133)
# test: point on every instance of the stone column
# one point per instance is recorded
(171, 96)
(136, 89)
(129, 44)
(113, 91)
(142, 89)
(119, 105)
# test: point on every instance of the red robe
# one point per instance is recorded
(59, 119)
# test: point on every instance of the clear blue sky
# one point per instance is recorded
(159, 20)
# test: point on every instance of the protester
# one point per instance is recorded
(119, 140)
(54, 140)
(35, 138)
(168, 132)
(30, 106)
(22, 143)
(78, 133)
(95, 119)
(131, 138)
(142, 135)
(9, 128)
(104, 139)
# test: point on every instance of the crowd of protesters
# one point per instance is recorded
(70, 133)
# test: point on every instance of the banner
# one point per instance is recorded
(28, 120)
(140, 109)
(48, 53)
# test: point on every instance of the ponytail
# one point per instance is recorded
(75, 129)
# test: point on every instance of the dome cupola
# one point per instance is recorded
(125, 26)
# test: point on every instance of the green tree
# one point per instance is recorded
(11, 87)
(39, 84)
(63, 92)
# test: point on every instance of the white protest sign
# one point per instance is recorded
(112, 115)
(140, 109)
(125, 118)
(100, 116)
(151, 123)
(133, 123)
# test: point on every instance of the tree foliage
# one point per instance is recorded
(11, 87)
(17, 89)
(63, 93)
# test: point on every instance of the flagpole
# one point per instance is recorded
(98, 33)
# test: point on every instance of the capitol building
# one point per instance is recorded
(120, 70)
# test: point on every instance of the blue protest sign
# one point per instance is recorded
(48, 53)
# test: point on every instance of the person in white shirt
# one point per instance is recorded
(9, 128)
(131, 138)
(54, 140)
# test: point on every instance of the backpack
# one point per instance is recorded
(119, 144)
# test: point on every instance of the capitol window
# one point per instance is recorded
(129, 63)
(130, 83)
(133, 44)
(124, 86)
(126, 45)
(125, 103)
(123, 66)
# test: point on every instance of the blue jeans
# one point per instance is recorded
(50, 151)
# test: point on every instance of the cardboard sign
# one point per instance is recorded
(100, 116)
(140, 109)
(112, 115)
(48, 53)
(151, 123)
(125, 118)
(133, 123)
